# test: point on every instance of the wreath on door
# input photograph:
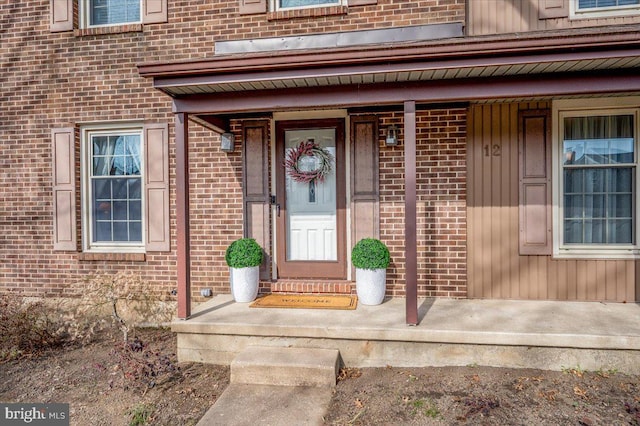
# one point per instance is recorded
(308, 148)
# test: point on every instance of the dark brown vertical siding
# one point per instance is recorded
(495, 268)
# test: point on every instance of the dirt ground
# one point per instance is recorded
(105, 387)
(484, 396)
(146, 385)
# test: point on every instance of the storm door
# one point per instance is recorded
(310, 200)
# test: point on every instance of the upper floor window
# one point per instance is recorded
(111, 12)
(300, 4)
(113, 190)
(604, 8)
(598, 181)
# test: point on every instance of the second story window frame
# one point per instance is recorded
(277, 5)
(602, 9)
(86, 8)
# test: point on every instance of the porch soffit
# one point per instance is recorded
(395, 65)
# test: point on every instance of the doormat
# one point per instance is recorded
(306, 301)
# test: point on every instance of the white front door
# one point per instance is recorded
(311, 206)
(311, 201)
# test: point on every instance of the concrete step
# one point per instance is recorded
(253, 405)
(277, 366)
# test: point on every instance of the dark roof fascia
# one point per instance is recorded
(525, 44)
(423, 92)
(380, 67)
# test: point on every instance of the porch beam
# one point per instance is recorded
(434, 91)
(182, 215)
(410, 215)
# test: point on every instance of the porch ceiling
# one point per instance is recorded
(400, 63)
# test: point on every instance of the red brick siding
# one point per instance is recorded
(441, 209)
(65, 79)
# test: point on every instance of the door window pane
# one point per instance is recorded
(311, 209)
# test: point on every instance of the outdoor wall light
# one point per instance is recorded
(392, 136)
(227, 142)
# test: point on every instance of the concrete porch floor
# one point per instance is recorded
(500, 333)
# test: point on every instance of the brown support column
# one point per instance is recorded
(410, 217)
(182, 215)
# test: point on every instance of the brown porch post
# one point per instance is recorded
(182, 215)
(410, 218)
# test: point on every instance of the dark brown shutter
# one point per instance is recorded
(61, 12)
(365, 197)
(252, 7)
(361, 2)
(64, 189)
(256, 188)
(550, 9)
(156, 165)
(535, 182)
(154, 11)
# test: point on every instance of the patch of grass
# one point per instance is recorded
(141, 414)
(607, 373)
(576, 371)
(425, 407)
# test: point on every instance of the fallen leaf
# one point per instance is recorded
(580, 392)
(348, 373)
(549, 395)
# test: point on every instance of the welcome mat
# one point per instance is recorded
(306, 301)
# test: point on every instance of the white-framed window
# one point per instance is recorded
(96, 13)
(595, 175)
(603, 8)
(277, 5)
(112, 188)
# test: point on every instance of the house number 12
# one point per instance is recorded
(493, 150)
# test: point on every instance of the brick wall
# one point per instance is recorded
(441, 203)
(69, 78)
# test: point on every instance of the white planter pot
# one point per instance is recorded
(371, 285)
(244, 283)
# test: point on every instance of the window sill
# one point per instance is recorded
(576, 16)
(307, 13)
(623, 254)
(112, 257)
(113, 29)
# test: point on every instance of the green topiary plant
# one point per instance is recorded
(244, 253)
(370, 253)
